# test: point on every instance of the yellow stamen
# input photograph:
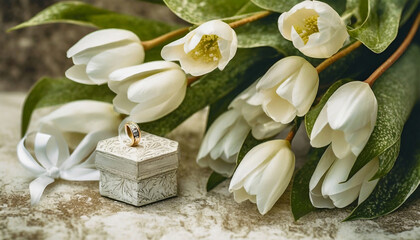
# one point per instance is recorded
(310, 26)
(207, 50)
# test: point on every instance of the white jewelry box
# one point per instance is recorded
(138, 175)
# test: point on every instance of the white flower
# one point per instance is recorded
(76, 119)
(101, 52)
(315, 29)
(288, 89)
(249, 105)
(264, 174)
(347, 119)
(211, 45)
(148, 91)
(222, 143)
(329, 188)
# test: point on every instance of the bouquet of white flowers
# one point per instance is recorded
(347, 71)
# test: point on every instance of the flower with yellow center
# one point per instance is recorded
(315, 29)
(212, 45)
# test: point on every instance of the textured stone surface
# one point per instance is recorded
(76, 210)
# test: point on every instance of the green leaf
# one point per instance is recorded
(199, 11)
(284, 6)
(299, 199)
(377, 22)
(84, 14)
(49, 92)
(396, 91)
(312, 115)
(245, 68)
(248, 144)
(214, 180)
(395, 188)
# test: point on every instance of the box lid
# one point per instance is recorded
(154, 155)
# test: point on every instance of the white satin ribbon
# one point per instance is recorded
(53, 159)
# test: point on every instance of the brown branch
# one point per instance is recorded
(249, 19)
(401, 49)
(327, 62)
(165, 37)
(157, 41)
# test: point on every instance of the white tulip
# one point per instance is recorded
(148, 91)
(76, 119)
(347, 119)
(249, 105)
(329, 188)
(222, 143)
(264, 174)
(315, 29)
(101, 52)
(211, 45)
(288, 89)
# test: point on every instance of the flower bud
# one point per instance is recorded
(264, 174)
(328, 186)
(346, 120)
(222, 143)
(101, 52)
(288, 89)
(148, 91)
(315, 29)
(248, 104)
(211, 45)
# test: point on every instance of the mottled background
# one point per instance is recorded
(28, 54)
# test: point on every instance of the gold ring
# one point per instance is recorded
(132, 131)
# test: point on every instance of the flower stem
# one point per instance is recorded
(327, 62)
(294, 129)
(165, 37)
(401, 49)
(192, 79)
(249, 19)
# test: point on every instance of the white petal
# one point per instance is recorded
(216, 131)
(101, 65)
(339, 144)
(196, 68)
(351, 106)
(100, 38)
(275, 179)
(321, 134)
(338, 173)
(254, 158)
(78, 74)
(324, 164)
(280, 110)
(280, 71)
(367, 185)
(143, 112)
(80, 116)
(157, 87)
(142, 70)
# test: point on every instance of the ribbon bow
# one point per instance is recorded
(53, 159)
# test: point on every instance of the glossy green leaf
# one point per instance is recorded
(245, 67)
(395, 188)
(214, 180)
(396, 91)
(84, 14)
(312, 115)
(377, 21)
(284, 6)
(299, 198)
(199, 11)
(50, 92)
